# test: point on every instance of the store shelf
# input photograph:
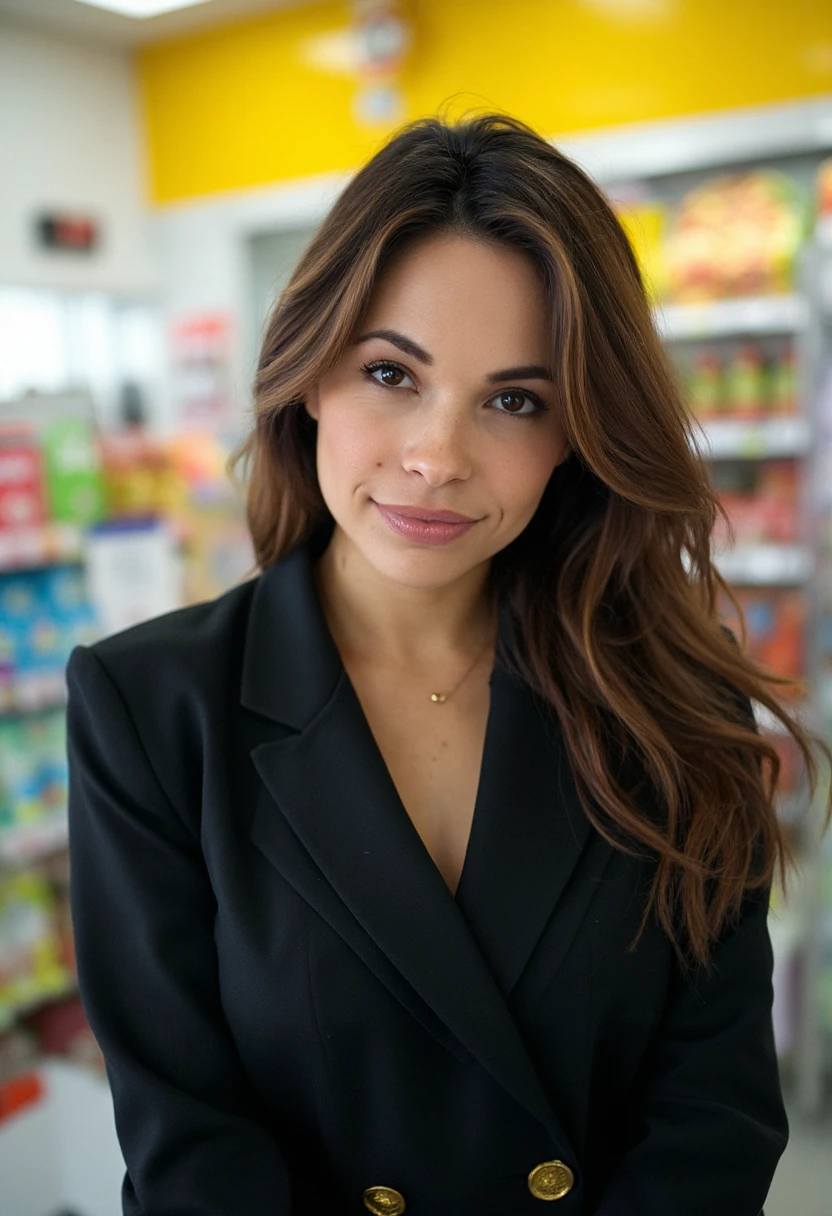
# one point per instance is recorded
(22, 694)
(63, 987)
(727, 318)
(25, 843)
(765, 565)
(40, 545)
(756, 438)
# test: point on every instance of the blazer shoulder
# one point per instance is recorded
(183, 647)
(191, 630)
(177, 676)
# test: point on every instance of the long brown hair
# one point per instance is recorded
(611, 591)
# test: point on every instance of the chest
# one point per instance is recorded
(434, 755)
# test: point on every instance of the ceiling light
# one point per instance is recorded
(141, 8)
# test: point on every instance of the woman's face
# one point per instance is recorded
(442, 401)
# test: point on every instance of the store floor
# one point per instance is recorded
(802, 1185)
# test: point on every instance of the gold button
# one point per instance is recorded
(384, 1200)
(551, 1180)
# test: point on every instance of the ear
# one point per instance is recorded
(311, 404)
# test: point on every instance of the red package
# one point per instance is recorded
(22, 484)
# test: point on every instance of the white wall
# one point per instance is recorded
(70, 138)
(204, 251)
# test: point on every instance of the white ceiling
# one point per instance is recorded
(82, 21)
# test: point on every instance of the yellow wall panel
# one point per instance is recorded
(242, 106)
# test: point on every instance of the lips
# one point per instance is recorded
(428, 514)
(415, 528)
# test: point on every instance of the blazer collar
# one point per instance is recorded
(291, 664)
(331, 820)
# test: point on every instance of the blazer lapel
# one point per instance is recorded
(331, 821)
(528, 834)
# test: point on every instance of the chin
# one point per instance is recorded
(426, 567)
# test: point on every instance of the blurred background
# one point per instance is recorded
(162, 165)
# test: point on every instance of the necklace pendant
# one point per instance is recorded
(437, 696)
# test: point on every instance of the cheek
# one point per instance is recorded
(520, 475)
(349, 442)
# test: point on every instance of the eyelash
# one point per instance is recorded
(369, 368)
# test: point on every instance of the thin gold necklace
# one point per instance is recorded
(439, 697)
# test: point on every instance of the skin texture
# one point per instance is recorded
(434, 435)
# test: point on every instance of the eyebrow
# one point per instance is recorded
(530, 371)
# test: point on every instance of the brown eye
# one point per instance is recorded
(511, 402)
(388, 374)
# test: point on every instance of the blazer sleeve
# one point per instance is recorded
(710, 1125)
(143, 912)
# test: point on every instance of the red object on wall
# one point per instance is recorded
(63, 231)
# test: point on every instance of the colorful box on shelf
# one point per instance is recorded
(44, 614)
(776, 627)
(743, 384)
(736, 234)
(33, 783)
(50, 470)
(763, 503)
(22, 479)
(72, 470)
(32, 966)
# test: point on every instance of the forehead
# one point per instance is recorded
(450, 291)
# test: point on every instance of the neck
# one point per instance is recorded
(374, 619)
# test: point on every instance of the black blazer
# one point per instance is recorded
(293, 1007)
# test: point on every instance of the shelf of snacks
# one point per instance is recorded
(723, 254)
(776, 622)
(742, 382)
(97, 532)
(737, 294)
(181, 479)
(44, 613)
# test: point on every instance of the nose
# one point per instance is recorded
(439, 445)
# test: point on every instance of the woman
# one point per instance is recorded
(428, 869)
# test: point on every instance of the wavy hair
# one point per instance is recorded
(611, 592)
